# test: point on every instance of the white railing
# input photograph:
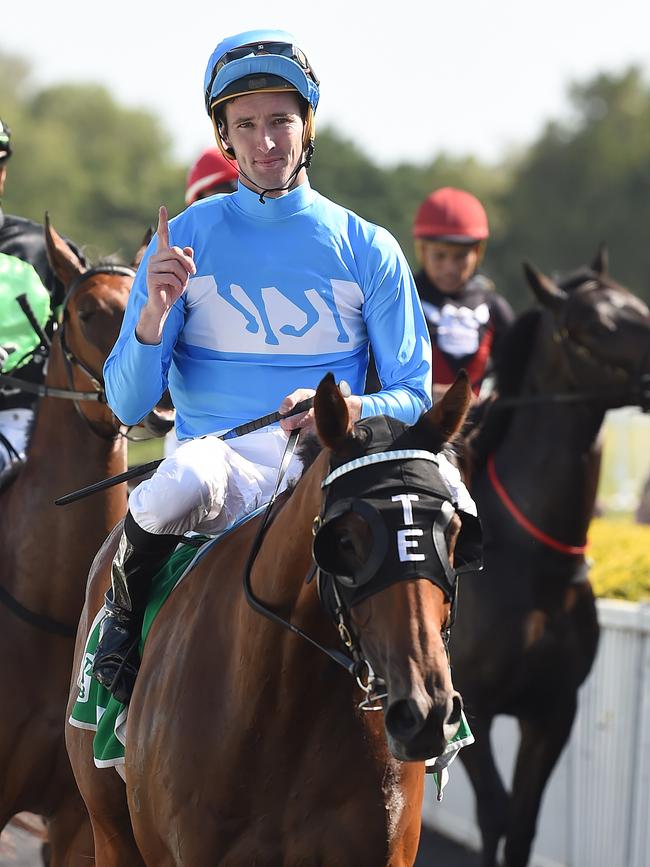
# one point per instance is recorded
(596, 808)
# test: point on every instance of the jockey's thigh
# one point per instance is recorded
(14, 425)
(206, 485)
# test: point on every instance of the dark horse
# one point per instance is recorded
(45, 552)
(245, 742)
(527, 631)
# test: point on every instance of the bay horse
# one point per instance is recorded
(245, 743)
(45, 552)
(527, 630)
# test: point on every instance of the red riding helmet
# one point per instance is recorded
(211, 173)
(451, 215)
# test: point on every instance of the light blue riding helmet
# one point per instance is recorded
(258, 60)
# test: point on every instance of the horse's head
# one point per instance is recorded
(600, 332)
(91, 316)
(386, 542)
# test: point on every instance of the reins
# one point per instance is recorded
(71, 360)
(43, 621)
(349, 663)
(522, 520)
(352, 660)
(638, 391)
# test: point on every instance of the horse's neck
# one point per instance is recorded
(282, 566)
(549, 458)
(63, 455)
(64, 440)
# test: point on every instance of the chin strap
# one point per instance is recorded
(309, 152)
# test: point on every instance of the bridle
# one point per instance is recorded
(43, 621)
(71, 360)
(338, 593)
(634, 390)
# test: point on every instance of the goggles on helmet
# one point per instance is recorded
(256, 49)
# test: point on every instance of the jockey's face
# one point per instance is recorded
(265, 131)
(449, 266)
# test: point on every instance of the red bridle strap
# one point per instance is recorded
(523, 521)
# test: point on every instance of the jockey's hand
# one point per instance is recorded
(168, 272)
(306, 420)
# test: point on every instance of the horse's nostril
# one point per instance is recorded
(403, 719)
(456, 709)
(454, 716)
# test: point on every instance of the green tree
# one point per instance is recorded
(98, 168)
(586, 180)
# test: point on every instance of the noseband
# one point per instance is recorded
(71, 360)
(407, 511)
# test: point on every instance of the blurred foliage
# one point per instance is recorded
(585, 180)
(621, 559)
(101, 170)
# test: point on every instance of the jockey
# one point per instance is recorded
(212, 173)
(23, 241)
(241, 305)
(465, 315)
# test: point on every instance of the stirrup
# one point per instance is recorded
(120, 682)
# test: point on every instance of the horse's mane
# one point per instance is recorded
(518, 343)
(492, 422)
(308, 450)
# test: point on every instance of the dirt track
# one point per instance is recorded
(19, 849)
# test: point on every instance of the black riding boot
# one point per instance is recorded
(138, 556)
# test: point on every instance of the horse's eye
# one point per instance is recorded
(86, 315)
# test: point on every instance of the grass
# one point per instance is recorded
(145, 451)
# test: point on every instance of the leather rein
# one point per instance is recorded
(43, 621)
(638, 390)
(352, 658)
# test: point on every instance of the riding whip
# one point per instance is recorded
(240, 430)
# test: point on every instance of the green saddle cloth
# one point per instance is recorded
(95, 708)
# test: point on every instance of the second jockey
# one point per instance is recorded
(466, 317)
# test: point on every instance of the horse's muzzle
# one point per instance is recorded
(417, 731)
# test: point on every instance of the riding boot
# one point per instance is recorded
(138, 556)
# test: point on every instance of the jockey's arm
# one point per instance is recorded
(398, 334)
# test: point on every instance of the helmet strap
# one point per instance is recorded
(306, 162)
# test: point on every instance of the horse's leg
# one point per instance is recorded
(542, 741)
(70, 836)
(492, 801)
(104, 793)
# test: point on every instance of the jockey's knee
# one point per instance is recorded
(187, 488)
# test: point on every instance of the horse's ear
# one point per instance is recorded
(64, 261)
(443, 421)
(148, 235)
(600, 262)
(331, 414)
(548, 293)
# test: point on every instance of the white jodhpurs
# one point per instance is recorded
(207, 484)
(14, 425)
